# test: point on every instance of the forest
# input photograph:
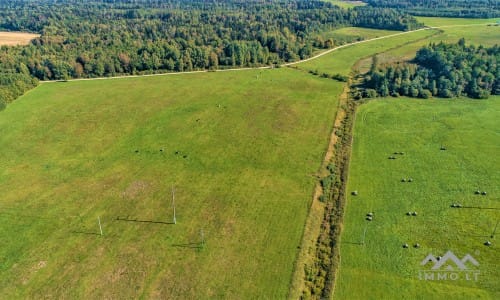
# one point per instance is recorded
(443, 70)
(443, 8)
(107, 38)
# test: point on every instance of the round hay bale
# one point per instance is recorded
(487, 243)
(370, 214)
(417, 245)
(453, 205)
(176, 152)
(414, 213)
(369, 218)
(459, 205)
(443, 148)
(438, 258)
(477, 192)
(396, 152)
(354, 193)
(408, 213)
(401, 153)
(405, 245)
(483, 193)
(184, 156)
(403, 179)
(410, 179)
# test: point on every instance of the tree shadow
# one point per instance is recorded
(143, 221)
(352, 243)
(479, 207)
(189, 245)
(85, 232)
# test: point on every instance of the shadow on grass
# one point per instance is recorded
(85, 232)
(352, 243)
(143, 221)
(189, 245)
(479, 207)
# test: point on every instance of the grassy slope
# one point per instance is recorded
(434, 21)
(341, 60)
(69, 156)
(352, 33)
(478, 35)
(382, 268)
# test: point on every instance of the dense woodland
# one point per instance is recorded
(443, 8)
(107, 38)
(443, 70)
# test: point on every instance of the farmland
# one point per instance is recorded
(341, 60)
(372, 255)
(16, 38)
(350, 34)
(439, 178)
(237, 146)
(346, 4)
(242, 150)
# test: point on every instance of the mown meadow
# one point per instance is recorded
(239, 148)
(374, 262)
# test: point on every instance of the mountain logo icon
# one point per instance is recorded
(449, 262)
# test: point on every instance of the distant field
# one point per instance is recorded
(479, 35)
(16, 38)
(341, 60)
(357, 33)
(433, 21)
(346, 4)
(241, 149)
(382, 268)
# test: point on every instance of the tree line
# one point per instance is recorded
(442, 70)
(113, 37)
(443, 8)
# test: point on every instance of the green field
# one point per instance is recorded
(356, 33)
(382, 268)
(241, 149)
(346, 4)
(478, 35)
(341, 60)
(434, 21)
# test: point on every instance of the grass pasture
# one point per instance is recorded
(478, 35)
(436, 21)
(341, 60)
(382, 268)
(356, 33)
(346, 4)
(241, 149)
(16, 38)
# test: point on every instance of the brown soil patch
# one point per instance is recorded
(16, 38)
(135, 189)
